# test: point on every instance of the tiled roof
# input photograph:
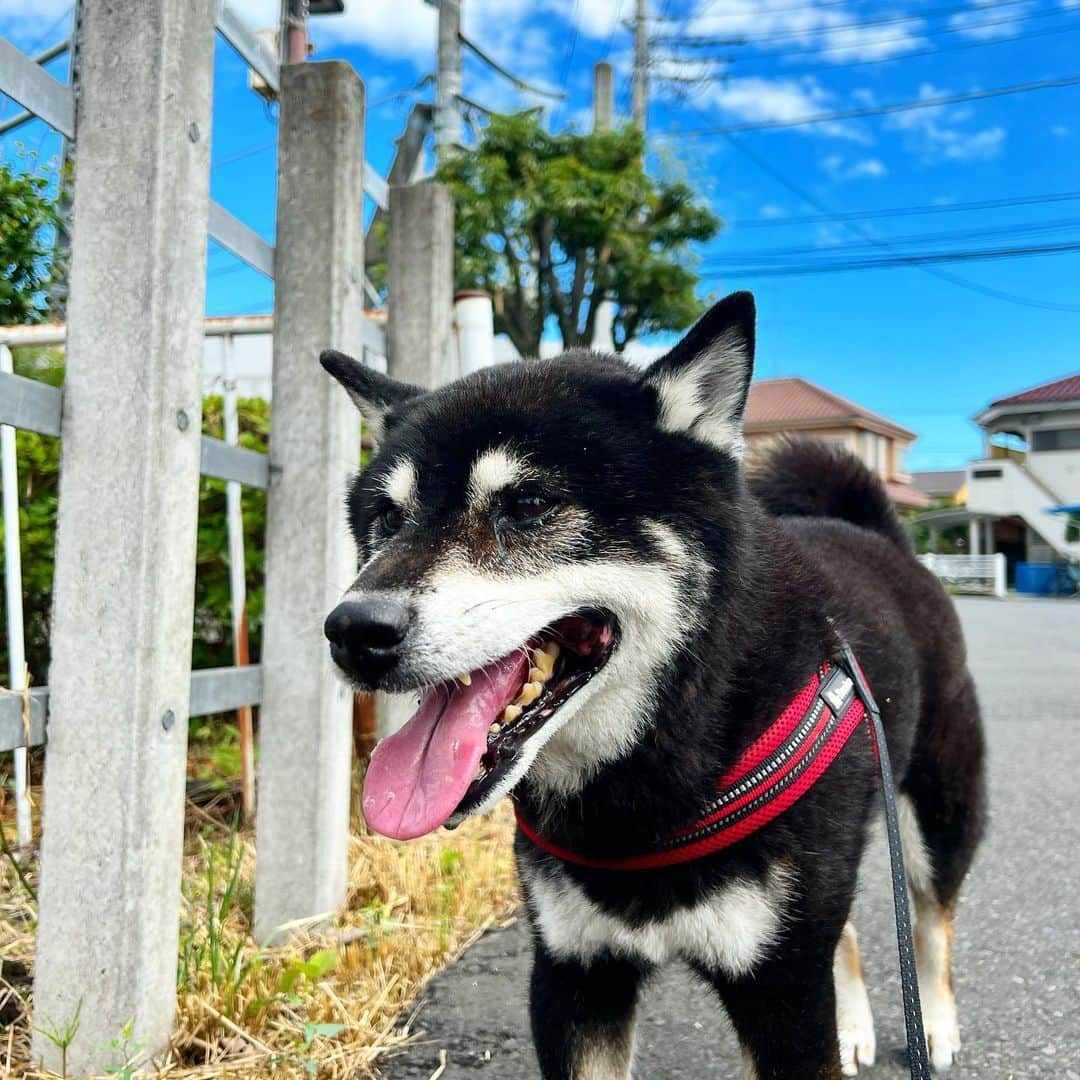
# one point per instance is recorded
(907, 497)
(1067, 389)
(940, 481)
(777, 402)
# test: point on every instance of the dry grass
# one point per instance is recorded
(326, 1005)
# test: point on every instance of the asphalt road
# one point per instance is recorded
(1018, 927)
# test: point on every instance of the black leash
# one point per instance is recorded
(918, 1058)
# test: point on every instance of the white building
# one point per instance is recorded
(1030, 464)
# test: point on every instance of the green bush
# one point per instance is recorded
(39, 463)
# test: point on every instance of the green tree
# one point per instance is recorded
(551, 224)
(29, 219)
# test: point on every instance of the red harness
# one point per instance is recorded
(773, 773)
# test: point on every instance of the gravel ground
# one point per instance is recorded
(1018, 927)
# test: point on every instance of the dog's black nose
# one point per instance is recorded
(365, 635)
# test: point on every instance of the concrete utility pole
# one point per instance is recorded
(125, 543)
(640, 98)
(419, 326)
(448, 126)
(603, 96)
(305, 744)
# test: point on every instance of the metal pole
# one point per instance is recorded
(234, 519)
(120, 677)
(294, 34)
(448, 125)
(603, 96)
(14, 601)
(640, 102)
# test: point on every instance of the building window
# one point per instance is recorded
(874, 451)
(1056, 439)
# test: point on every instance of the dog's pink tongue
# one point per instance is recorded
(417, 776)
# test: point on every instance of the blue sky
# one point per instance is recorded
(925, 351)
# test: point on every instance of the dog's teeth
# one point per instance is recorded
(479, 772)
(552, 649)
(544, 663)
(495, 728)
(529, 693)
(465, 680)
(511, 713)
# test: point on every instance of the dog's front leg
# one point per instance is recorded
(583, 1015)
(784, 1014)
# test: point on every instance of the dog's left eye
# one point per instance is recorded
(526, 509)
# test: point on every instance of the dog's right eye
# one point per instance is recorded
(390, 520)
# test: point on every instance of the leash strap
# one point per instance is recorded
(918, 1058)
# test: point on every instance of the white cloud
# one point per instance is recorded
(1061, 130)
(832, 31)
(984, 24)
(754, 99)
(937, 133)
(847, 43)
(871, 168)
(771, 211)
(25, 23)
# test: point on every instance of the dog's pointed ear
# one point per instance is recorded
(373, 393)
(701, 385)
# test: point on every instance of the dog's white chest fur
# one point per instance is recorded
(731, 929)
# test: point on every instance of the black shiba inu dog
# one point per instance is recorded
(602, 614)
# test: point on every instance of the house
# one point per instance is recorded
(1030, 467)
(946, 486)
(794, 406)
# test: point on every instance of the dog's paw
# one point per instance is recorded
(858, 1046)
(942, 1027)
(943, 1041)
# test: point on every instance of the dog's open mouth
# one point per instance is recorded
(467, 734)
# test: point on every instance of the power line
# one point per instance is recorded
(889, 262)
(961, 46)
(495, 66)
(910, 211)
(879, 110)
(241, 154)
(572, 47)
(891, 20)
(858, 230)
(1000, 232)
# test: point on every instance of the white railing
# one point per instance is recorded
(969, 573)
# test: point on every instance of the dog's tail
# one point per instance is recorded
(810, 478)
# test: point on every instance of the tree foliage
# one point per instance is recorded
(29, 218)
(551, 224)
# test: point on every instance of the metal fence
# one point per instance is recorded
(121, 685)
(969, 573)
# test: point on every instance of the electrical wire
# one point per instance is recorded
(877, 110)
(997, 232)
(935, 271)
(891, 20)
(889, 262)
(569, 59)
(910, 211)
(792, 68)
